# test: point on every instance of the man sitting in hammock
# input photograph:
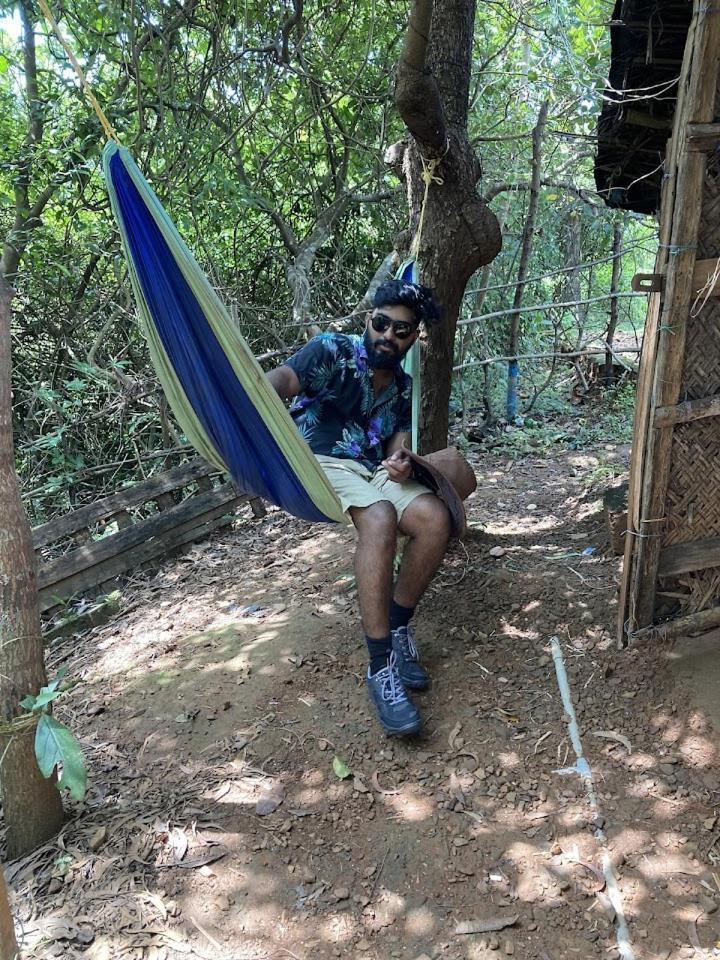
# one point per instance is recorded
(352, 405)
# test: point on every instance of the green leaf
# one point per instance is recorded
(56, 747)
(4, 64)
(45, 696)
(60, 675)
(341, 769)
(28, 702)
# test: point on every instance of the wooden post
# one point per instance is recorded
(696, 104)
(31, 804)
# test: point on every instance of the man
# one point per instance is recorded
(352, 405)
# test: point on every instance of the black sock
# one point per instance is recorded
(379, 653)
(400, 616)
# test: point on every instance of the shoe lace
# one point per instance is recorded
(392, 690)
(407, 643)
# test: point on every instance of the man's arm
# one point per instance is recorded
(285, 381)
(396, 461)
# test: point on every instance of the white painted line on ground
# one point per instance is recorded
(582, 768)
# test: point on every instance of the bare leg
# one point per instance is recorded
(377, 532)
(427, 522)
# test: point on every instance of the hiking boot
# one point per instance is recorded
(396, 712)
(408, 668)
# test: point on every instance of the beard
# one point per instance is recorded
(379, 359)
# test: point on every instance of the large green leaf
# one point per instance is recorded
(56, 747)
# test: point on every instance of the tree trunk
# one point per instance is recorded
(31, 804)
(460, 233)
(8, 943)
(614, 284)
(525, 253)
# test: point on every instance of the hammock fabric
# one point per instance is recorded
(216, 388)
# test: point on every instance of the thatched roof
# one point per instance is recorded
(647, 41)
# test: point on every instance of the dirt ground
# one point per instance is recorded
(213, 708)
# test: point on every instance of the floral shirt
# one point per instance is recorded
(337, 411)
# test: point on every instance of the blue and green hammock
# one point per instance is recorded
(215, 386)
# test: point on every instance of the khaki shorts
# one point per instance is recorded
(358, 487)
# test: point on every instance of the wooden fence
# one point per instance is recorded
(80, 552)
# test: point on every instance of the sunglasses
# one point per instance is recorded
(401, 329)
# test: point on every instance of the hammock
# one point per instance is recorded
(215, 386)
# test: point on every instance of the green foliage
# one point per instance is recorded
(56, 747)
(250, 128)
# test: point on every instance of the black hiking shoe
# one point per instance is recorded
(396, 712)
(408, 668)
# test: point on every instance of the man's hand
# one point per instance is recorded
(398, 466)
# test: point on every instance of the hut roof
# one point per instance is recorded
(647, 44)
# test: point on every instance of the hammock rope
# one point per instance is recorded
(87, 89)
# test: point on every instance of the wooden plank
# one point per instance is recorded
(94, 553)
(157, 548)
(686, 411)
(703, 137)
(92, 513)
(686, 557)
(692, 623)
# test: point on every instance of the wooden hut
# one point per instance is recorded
(660, 149)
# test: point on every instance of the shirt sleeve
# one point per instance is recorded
(307, 360)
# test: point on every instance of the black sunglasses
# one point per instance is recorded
(401, 329)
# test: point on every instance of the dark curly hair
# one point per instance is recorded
(414, 296)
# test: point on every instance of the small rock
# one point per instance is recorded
(307, 875)
(497, 551)
(642, 933)
(494, 943)
(709, 823)
(363, 944)
(509, 948)
(341, 893)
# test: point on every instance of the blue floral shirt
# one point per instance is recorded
(337, 411)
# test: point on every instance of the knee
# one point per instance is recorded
(378, 522)
(430, 518)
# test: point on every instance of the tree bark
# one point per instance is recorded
(32, 806)
(614, 285)
(8, 943)
(525, 253)
(460, 233)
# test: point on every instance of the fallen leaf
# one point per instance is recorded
(270, 800)
(376, 784)
(98, 838)
(470, 927)
(612, 735)
(341, 769)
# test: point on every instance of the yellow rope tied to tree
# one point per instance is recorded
(106, 125)
(428, 177)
